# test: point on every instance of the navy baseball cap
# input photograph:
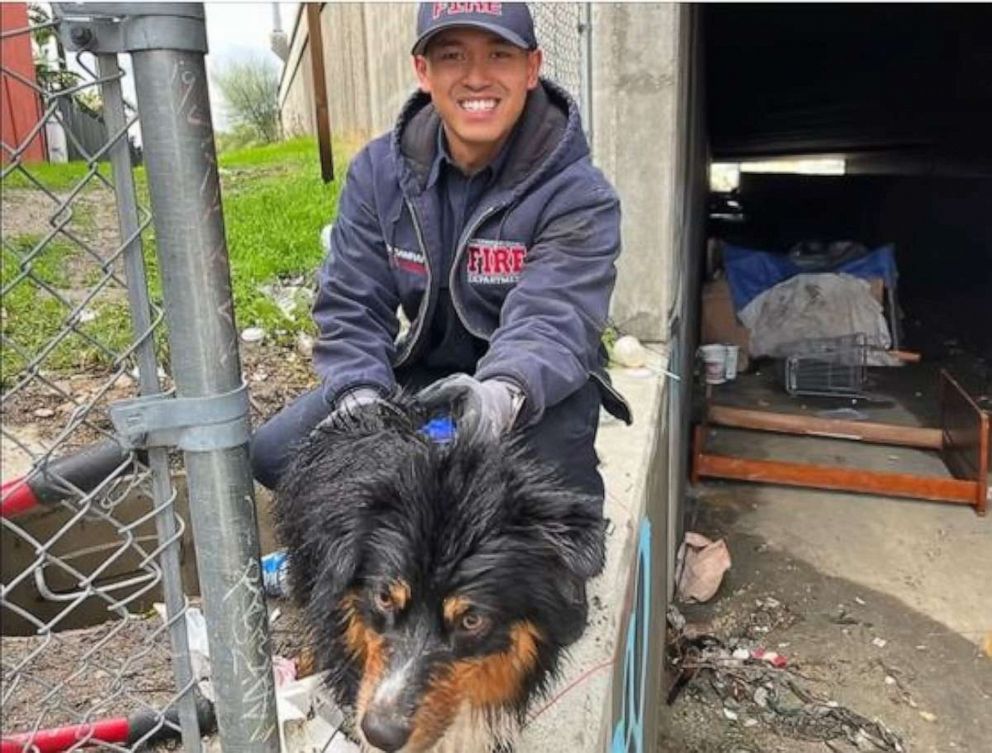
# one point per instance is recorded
(511, 21)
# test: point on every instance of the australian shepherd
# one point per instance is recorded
(440, 581)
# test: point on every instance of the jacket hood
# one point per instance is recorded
(548, 138)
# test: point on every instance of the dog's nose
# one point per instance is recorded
(385, 731)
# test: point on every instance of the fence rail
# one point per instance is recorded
(95, 532)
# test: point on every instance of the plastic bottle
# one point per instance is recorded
(275, 574)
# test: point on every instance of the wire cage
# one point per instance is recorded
(830, 366)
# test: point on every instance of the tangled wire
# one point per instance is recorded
(763, 687)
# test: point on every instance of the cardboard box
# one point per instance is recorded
(719, 321)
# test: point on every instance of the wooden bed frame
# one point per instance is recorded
(962, 440)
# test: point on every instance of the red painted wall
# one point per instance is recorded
(20, 107)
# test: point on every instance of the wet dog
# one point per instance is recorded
(440, 582)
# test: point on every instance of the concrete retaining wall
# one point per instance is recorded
(592, 707)
(367, 67)
(635, 49)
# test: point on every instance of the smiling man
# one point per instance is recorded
(482, 218)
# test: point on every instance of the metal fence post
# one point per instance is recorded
(158, 458)
(177, 138)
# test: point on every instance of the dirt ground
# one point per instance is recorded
(38, 413)
(112, 669)
(857, 647)
(881, 608)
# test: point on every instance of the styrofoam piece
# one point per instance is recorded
(308, 718)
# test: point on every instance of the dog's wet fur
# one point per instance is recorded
(440, 583)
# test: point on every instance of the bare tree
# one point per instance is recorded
(250, 88)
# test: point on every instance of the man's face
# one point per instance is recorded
(478, 83)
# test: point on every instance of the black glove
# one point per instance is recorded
(351, 401)
(485, 409)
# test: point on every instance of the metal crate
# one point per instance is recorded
(832, 367)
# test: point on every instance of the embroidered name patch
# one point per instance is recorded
(454, 9)
(410, 261)
(495, 262)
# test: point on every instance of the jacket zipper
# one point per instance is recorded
(454, 267)
(454, 299)
(414, 337)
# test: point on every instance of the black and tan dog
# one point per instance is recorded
(440, 582)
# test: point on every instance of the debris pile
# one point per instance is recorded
(753, 686)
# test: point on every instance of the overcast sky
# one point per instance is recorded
(239, 30)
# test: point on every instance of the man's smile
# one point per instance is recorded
(478, 104)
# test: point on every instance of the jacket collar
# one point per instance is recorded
(444, 161)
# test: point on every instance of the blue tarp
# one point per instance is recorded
(751, 271)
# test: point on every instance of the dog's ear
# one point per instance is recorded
(321, 533)
(578, 540)
(339, 560)
(567, 524)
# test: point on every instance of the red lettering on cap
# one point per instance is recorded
(454, 9)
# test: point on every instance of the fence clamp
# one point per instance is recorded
(199, 424)
(131, 27)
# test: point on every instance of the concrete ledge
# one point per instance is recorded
(581, 712)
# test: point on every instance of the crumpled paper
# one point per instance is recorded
(699, 567)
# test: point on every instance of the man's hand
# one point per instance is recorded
(350, 402)
(486, 409)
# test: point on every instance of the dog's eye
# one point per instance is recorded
(472, 622)
(383, 600)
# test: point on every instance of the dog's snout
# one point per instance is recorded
(385, 731)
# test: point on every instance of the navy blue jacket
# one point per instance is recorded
(532, 274)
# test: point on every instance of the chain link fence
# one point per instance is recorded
(563, 33)
(95, 533)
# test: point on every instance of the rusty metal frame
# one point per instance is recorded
(962, 440)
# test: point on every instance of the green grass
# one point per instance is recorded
(33, 316)
(275, 205)
(268, 155)
(53, 176)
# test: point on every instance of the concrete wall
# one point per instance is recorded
(296, 86)
(390, 78)
(347, 60)
(690, 227)
(297, 111)
(593, 710)
(367, 67)
(649, 138)
(635, 50)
